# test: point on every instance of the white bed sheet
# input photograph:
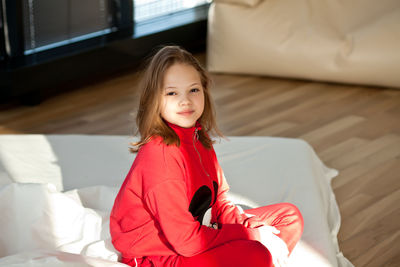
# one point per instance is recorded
(85, 172)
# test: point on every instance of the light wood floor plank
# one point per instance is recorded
(368, 187)
(341, 148)
(367, 217)
(366, 165)
(333, 127)
(357, 155)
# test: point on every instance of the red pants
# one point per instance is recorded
(284, 216)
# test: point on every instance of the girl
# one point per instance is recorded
(172, 209)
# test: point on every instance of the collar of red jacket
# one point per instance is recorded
(185, 134)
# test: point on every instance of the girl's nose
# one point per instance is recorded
(184, 100)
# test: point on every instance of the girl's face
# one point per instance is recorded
(182, 101)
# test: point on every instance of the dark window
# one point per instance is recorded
(48, 44)
(49, 24)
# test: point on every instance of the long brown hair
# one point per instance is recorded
(148, 119)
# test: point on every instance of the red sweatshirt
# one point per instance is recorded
(160, 206)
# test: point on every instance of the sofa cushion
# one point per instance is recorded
(341, 41)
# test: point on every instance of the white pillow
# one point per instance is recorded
(98, 197)
(37, 216)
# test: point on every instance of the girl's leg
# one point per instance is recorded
(286, 218)
(237, 253)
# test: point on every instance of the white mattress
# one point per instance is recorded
(79, 175)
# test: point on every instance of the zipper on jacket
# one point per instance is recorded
(196, 137)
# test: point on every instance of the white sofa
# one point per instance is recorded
(355, 41)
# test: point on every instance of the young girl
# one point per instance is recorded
(172, 209)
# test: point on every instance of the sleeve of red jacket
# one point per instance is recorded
(226, 211)
(168, 203)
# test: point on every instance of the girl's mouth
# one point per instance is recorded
(186, 113)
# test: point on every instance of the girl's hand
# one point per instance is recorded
(253, 221)
(276, 246)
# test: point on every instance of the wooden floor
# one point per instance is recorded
(355, 129)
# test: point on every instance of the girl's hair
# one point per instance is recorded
(149, 121)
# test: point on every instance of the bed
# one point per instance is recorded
(56, 192)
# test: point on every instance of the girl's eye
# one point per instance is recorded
(195, 90)
(171, 93)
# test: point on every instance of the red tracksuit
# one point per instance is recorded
(157, 214)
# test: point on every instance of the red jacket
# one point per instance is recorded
(159, 208)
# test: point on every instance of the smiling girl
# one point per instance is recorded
(172, 209)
